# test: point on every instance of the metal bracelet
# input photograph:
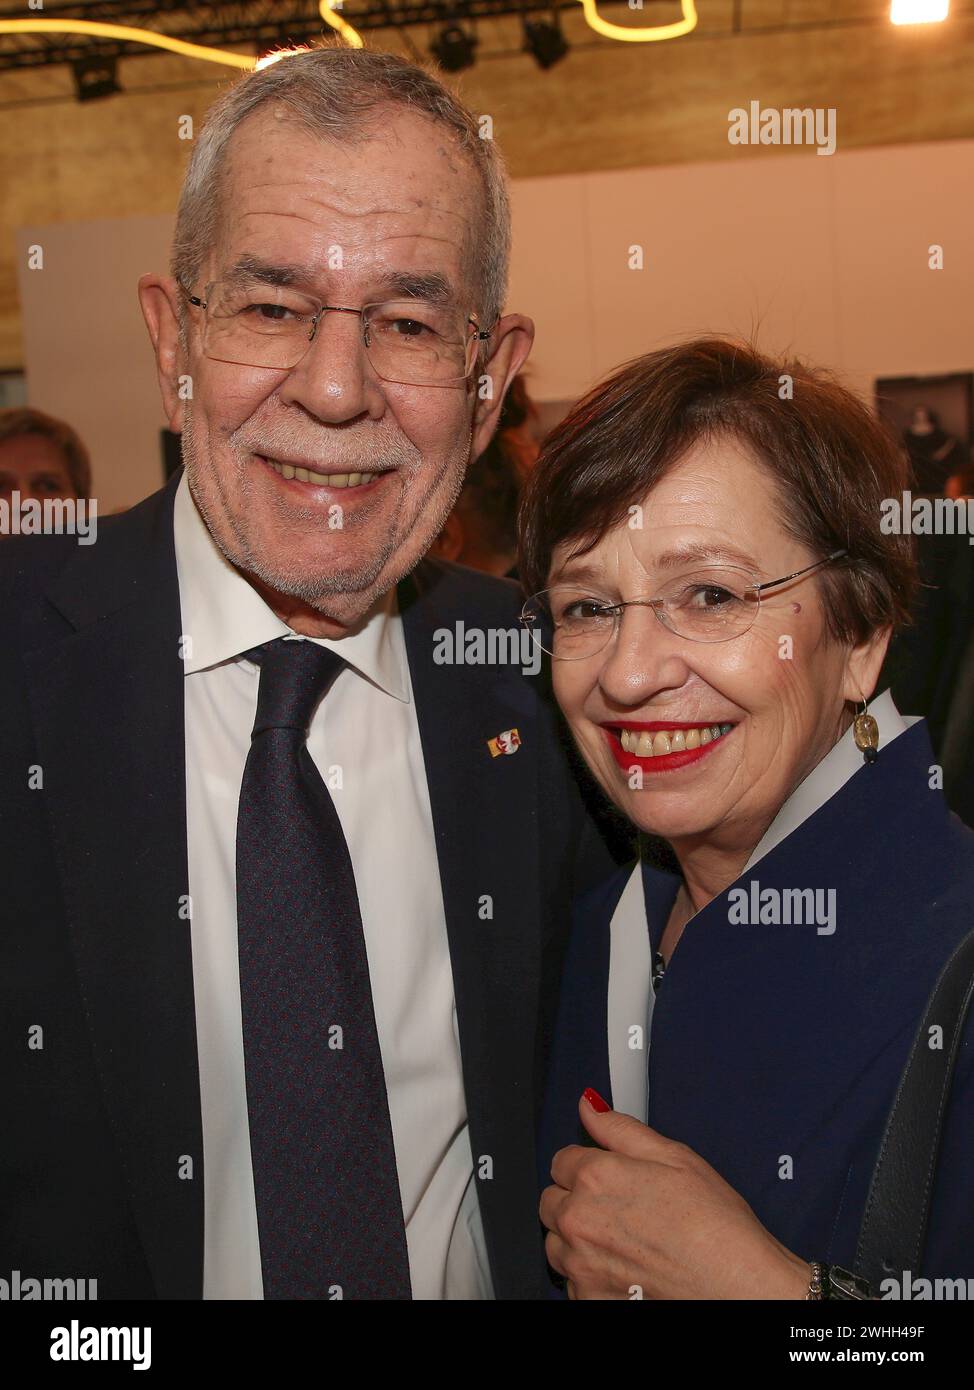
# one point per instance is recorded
(815, 1290)
(833, 1283)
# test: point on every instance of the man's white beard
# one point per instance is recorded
(314, 588)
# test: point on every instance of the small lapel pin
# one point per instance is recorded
(507, 742)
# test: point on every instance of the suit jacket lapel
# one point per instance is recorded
(487, 847)
(107, 697)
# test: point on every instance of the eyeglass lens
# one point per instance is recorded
(410, 341)
(704, 605)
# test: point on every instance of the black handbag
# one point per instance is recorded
(894, 1223)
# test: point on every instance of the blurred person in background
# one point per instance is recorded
(481, 531)
(41, 457)
(936, 457)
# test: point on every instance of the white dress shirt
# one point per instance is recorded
(631, 994)
(365, 727)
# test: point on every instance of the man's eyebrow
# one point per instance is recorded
(248, 267)
(402, 284)
(431, 285)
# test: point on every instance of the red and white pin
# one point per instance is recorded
(507, 742)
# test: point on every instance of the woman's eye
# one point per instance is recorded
(711, 596)
(583, 609)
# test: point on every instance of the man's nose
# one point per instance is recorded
(642, 658)
(334, 380)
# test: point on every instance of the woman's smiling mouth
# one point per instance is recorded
(662, 747)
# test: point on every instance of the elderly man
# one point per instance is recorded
(285, 898)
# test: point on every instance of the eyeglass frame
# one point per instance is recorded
(480, 336)
(657, 603)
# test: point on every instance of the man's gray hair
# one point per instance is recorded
(333, 92)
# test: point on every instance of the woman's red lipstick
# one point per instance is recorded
(659, 762)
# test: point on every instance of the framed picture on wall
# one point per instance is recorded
(13, 390)
(934, 417)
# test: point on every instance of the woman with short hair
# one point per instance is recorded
(701, 538)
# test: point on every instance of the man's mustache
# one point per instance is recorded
(327, 458)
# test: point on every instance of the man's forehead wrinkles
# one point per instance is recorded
(277, 212)
(417, 236)
(380, 239)
(415, 206)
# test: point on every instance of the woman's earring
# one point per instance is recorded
(865, 731)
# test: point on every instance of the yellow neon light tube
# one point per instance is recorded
(622, 32)
(654, 34)
(167, 41)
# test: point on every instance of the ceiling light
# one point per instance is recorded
(918, 11)
(455, 49)
(545, 41)
(95, 78)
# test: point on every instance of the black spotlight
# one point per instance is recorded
(545, 41)
(95, 77)
(455, 49)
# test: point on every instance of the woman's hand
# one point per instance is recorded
(643, 1217)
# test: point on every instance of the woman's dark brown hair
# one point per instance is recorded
(832, 460)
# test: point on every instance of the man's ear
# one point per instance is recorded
(159, 298)
(864, 665)
(510, 344)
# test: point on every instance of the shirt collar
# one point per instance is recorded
(827, 777)
(225, 616)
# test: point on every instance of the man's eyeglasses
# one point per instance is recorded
(409, 341)
(714, 603)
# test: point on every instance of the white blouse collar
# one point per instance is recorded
(839, 764)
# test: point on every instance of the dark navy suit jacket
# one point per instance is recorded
(771, 1042)
(94, 949)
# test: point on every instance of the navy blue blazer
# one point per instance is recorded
(775, 1042)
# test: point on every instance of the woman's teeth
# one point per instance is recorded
(646, 745)
(306, 475)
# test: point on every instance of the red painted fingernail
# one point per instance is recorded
(595, 1101)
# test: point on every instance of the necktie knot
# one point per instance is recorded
(293, 677)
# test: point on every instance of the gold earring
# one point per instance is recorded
(865, 731)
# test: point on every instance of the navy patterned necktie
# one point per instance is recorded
(329, 1209)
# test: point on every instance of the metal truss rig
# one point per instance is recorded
(260, 25)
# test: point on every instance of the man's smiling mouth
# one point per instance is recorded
(291, 472)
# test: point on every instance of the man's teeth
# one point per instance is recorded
(306, 475)
(647, 745)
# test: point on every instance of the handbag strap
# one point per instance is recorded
(894, 1223)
